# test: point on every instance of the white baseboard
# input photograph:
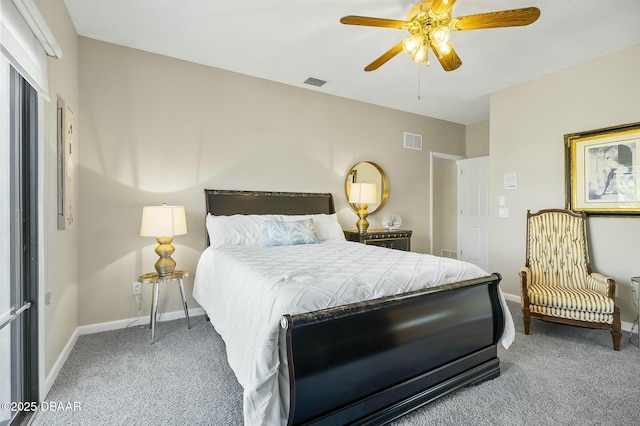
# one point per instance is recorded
(55, 370)
(511, 297)
(105, 326)
(124, 323)
(626, 326)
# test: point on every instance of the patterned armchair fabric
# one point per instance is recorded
(557, 283)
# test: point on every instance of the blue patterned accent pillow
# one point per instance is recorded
(281, 233)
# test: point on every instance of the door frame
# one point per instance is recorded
(433, 155)
(42, 244)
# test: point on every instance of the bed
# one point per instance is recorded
(351, 337)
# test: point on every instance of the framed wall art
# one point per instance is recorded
(65, 165)
(602, 170)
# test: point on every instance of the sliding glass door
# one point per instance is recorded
(18, 247)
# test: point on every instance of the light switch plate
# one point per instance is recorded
(503, 212)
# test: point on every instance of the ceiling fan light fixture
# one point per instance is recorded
(412, 44)
(440, 35)
(420, 55)
(444, 49)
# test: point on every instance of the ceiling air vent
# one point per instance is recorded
(412, 141)
(315, 81)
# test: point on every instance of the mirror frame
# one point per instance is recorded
(383, 178)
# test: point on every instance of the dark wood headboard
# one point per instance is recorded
(225, 202)
(222, 202)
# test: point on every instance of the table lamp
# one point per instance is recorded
(163, 222)
(363, 194)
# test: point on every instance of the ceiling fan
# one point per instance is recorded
(429, 24)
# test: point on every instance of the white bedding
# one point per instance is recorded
(246, 289)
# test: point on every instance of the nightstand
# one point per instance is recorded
(155, 279)
(399, 239)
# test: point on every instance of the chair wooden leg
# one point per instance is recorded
(526, 317)
(615, 332)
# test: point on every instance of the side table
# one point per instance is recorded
(155, 279)
(399, 239)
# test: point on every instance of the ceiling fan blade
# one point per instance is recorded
(373, 22)
(384, 57)
(503, 18)
(450, 61)
(442, 6)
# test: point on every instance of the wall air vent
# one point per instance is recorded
(451, 254)
(315, 81)
(412, 141)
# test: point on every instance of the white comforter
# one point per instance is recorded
(245, 290)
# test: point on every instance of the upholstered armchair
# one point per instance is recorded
(557, 283)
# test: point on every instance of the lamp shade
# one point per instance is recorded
(363, 193)
(163, 221)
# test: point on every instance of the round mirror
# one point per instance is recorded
(369, 172)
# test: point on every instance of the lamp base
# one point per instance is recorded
(165, 265)
(362, 223)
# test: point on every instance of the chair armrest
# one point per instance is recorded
(525, 279)
(601, 284)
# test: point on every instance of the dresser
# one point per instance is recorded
(399, 239)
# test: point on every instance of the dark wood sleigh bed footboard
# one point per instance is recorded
(380, 359)
(373, 361)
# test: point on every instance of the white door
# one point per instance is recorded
(473, 211)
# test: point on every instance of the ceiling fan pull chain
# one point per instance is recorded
(418, 67)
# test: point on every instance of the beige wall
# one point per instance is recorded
(528, 123)
(156, 129)
(60, 262)
(477, 139)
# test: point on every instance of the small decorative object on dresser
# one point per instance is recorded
(399, 239)
(392, 221)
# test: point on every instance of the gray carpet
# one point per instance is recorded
(558, 375)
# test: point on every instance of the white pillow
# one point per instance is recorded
(237, 229)
(325, 225)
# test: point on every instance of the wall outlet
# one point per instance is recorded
(137, 288)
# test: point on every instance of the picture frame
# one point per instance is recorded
(65, 178)
(602, 170)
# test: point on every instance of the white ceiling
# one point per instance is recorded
(289, 40)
